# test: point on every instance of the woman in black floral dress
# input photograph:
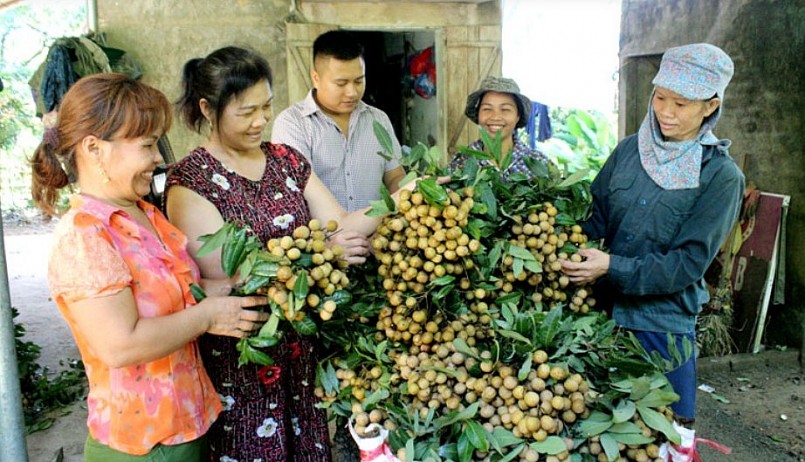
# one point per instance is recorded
(270, 412)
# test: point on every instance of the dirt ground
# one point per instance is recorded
(763, 419)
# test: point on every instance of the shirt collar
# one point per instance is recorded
(104, 211)
(310, 107)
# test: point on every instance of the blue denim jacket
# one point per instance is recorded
(661, 241)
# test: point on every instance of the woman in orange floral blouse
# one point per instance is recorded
(120, 275)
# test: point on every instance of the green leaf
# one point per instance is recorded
(517, 267)
(465, 448)
(597, 423)
(197, 292)
(456, 416)
(443, 281)
(513, 335)
(434, 156)
(215, 240)
(631, 438)
(551, 445)
(640, 387)
(262, 342)
(657, 398)
(623, 412)
(610, 446)
(269, 329)
(574, 178)
(503, 438)
(477, 436)
(340, 297)
(525, 369)
(409, 450)
(305, 327)
(488, 198)
(326, 376)
(253, 284)
(625, 427)
(375, 397)
(514, 453)
(377, 208)
(462, 347)
(409, 177)
(533, 265)
(658, 422)
(434, 193)
(383, 138)
(386, 196)
(495, 253)
(263, 268)
(300, 287)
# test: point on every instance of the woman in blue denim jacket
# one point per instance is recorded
(663, 203)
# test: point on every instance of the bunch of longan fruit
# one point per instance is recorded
(305, 253)
(550, 244)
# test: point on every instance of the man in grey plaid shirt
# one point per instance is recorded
(332, 127)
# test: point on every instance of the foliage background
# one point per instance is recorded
(28, 29)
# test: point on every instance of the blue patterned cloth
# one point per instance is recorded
(520, 151)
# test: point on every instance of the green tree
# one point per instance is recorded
(28, 29)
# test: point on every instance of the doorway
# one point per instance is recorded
(391, 87)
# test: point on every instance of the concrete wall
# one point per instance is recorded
(162, 36)
(763, 110)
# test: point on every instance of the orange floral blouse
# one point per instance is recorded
(99, 250)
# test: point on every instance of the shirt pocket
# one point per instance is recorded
(621, 195)
(674, 208)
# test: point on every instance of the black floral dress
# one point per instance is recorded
(269, 412)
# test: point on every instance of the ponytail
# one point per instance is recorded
(48, 174)
(188, 103)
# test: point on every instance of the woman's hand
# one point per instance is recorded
(355, 245)
(595, 265)
(229, 316)
(217, 287)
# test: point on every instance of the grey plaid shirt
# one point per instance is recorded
(350, 167)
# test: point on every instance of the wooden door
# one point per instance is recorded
(470, 53)
(299, 54)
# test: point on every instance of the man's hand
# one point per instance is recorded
(356, 246)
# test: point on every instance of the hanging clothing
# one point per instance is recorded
(85, 57)
(59, 76)
(538, 126)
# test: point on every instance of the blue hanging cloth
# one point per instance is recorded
(542, 131)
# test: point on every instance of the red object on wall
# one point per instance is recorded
(754, 267)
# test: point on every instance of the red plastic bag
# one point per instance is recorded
(421, 61)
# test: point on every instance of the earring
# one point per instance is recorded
(103, 174)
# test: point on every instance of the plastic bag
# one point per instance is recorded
(373, 448)
(686, 451)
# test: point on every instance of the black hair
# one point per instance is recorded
(338, 44)
(222, 75)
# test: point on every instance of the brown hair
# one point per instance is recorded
(109, 106)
